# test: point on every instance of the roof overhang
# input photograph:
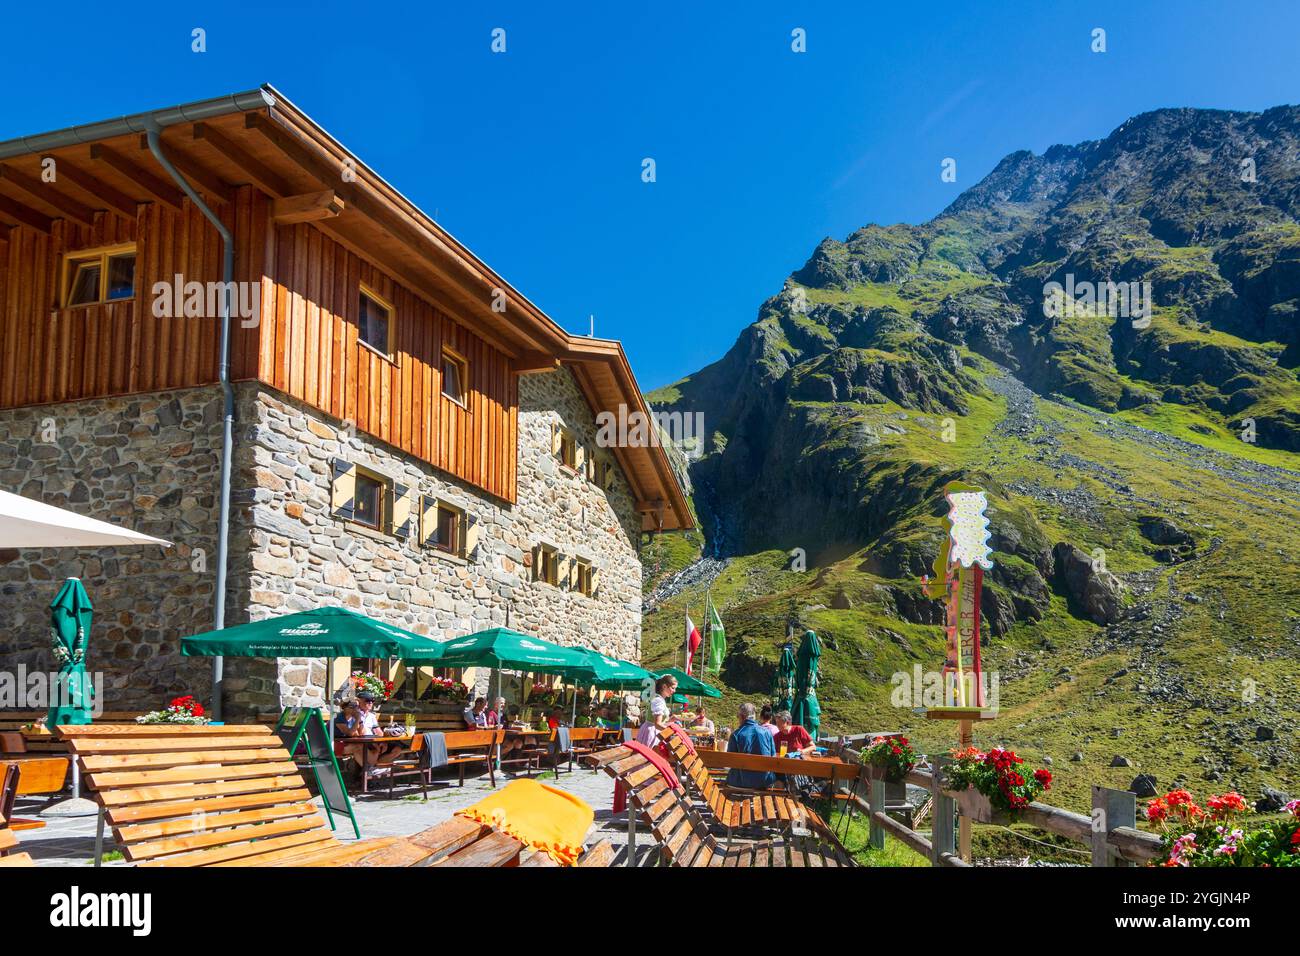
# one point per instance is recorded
(259, 137)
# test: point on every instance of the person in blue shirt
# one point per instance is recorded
(750, 738)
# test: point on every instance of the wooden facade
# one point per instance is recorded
(313, 226)
(305, 343)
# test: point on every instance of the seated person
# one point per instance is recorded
(606, 719)
(359, 719)
(475, 715)
(702, 722)
(556, 718)
(791, 737)
(765, 719)
(750, 738)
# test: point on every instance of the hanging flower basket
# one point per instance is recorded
(989, 787)
(889, 758)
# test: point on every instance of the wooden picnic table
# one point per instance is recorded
(369, 747)
(823, 766)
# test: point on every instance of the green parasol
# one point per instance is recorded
(70, 615)
(320, 632)
(783, 682)
(686, 684)
(503, 648)
(807, 712)
(610, 673)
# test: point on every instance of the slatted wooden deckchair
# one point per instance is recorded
(182, 795)
(762, 809)
(463, 842)
(7, 843)
(683, 834)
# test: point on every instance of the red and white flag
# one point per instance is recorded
(692, 642)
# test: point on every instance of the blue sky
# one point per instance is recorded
(533, 157)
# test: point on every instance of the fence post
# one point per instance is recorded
(876, 801)
(943, 814)
(1110, 809)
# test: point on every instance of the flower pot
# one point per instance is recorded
(975, 806)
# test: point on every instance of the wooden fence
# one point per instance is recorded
(1110, 831)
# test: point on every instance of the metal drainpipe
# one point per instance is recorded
(228, 412)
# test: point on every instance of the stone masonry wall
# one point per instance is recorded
(149, 462)
(152, 462)
(293, 554)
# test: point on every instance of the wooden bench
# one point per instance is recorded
(463, 747)
(34, 776)
(683, 835)
(12, 721)
(463, 842)
(780, 809)
(201, 795)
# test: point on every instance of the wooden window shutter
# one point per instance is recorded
(472, 528)
(343, 490)
(579, 457)
(556, 439)
(403, 510)
(428, 520)
(537, 562)
(564, 574)
(607, 479)
(595, 581)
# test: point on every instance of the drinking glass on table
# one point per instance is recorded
(781, 752)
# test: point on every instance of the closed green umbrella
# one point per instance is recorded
(783, 682)
(686, 684)
(807, 712)
(70, 616)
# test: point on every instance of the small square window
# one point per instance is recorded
(568, 449)
(582, 576)
(368, 503)
(99, 275)
(548, 565)
(121, 277)
(373, 322)
(447, 536)
(455, 376)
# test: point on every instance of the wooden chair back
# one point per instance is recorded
(182, 795)
(8, 792)
(40, 775)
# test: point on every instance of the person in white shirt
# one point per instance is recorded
(660, 715)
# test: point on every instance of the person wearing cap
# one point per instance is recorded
(475, 715)
(360, 720)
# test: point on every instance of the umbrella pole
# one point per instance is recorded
(329, 697)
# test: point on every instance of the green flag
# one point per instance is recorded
(717, 637)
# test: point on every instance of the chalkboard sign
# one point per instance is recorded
(303, 729)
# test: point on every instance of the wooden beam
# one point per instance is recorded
(534, 362)
(25, 215)
(202, 179)
(4, 232)
(309, 207)
(47, 193)
(259, 174)
(149, 184)
(112, 197)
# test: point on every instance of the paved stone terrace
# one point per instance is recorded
(70, 841)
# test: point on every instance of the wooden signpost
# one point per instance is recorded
(959, 578)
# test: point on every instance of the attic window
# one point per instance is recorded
(455, 376)
(373, 322)
(99, 275)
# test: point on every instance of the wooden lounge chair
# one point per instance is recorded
(463, 842)
(683, 835)
(182, 795)
(779, 809)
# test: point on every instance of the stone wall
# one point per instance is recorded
(152, 462)
(149, 462)
(293, 553)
